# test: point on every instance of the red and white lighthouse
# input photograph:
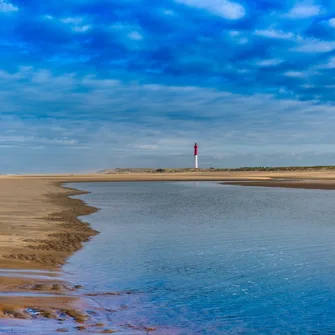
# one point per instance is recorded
(196, 155)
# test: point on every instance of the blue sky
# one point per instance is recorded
(92, 84)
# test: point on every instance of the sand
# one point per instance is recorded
(39, 230)
(38, 223)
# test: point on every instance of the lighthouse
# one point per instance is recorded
(196, 155)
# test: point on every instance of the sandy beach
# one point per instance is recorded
(39, 229)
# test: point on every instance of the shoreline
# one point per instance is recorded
(35, 258)
(68, 233)
(40, 230)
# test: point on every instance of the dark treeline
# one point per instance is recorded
(213, 169)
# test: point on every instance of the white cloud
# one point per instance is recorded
(228, 9)
(131, 31)
(77, 24)
(295, 74)
(6, 7)
(303, 11)
(269, 62)
(147, 146)
(6, 75)
(243, 40)
(98, 118)
(72, 20)
(22, 139)
(81, 29)
(329, 65)
(238, 37)
(332, 22)
(168, 12)
(272, 33)
(234, 33)
(315, 46)
(135, 35)
(307, 86)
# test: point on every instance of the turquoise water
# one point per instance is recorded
(202, 258)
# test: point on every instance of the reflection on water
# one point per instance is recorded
(32, 275)
(211, 259)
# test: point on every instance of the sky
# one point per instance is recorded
(92, 84)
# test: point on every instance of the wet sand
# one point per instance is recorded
(39, 230)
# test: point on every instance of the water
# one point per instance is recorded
(210, 259)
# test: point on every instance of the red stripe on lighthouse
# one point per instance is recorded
(195, 149)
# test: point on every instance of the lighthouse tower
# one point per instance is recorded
(196, 155)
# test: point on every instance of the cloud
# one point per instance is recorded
(168, 12)
(77, 24)
(272, 33)
(329, 65)
(146, 146)
(154, 109)
(7, 7)
(135, 35)
(295, 74)
(315, 46)
(81, 80)
(227, 9)
(303, 11)
(269, 62)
